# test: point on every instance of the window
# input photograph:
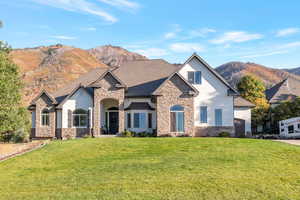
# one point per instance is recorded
(45, 117)
(177, 118)
(149, 120)
(298, 126)
(139, 120)
(218, 117)
(80, 118)
(291, 129)
(203, 114)
(128, 120)
(195, 77)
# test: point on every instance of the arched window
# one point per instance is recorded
(177, 118)
(45, 118)
(80, 118)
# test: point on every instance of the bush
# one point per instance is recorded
(87, 135)
(16, 137)
(127, 133)
(224, 134)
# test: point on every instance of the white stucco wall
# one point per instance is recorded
(245, 114)
(212, 93)
(81, 99)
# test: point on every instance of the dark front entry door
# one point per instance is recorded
(113, 122)
(239, 125)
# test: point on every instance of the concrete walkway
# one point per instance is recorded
(294, 142)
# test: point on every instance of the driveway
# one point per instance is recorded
(294, 142)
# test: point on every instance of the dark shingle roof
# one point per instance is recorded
(241, 102)
(288, 89)
(139, 106)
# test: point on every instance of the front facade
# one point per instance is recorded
(139, 96)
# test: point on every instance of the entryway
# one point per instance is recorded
(109, 116)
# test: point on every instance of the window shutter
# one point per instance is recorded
(173, 121)
(149, 120)
(191, 77)
(128, 120)
(70, 119)
(203, 114)
(218, 117)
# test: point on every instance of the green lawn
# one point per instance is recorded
(154, 168)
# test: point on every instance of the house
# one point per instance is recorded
(140, 96)
(290, 128)
(286, 90)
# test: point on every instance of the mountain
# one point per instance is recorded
(234, 71)
(294, 71)
(51, 67)
(114, 56)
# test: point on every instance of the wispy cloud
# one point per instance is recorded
(89, 29)
(152, 52)
(186, 47)
(63, 37)
(236, 37)
(82, 6)
(173, 34)
(289, 45)
(287, 31)
(202, 32)
(124, 4)
(265, 54)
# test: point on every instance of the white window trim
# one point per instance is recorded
(222, 122)
(203, 123)
(146, 123)
(194, 72)
(146, 118)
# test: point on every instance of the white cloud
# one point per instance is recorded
(81, 6)
(173, 34)
(236, 37)
(200, 32)
(264, 54)
(289, 45)
(186, 47)
(64, 37)
(287, 31)
(89, 29)
(152, 52)
(122, 3)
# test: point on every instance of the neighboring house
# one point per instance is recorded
(140, 96)
(288, 89)
(290, 128)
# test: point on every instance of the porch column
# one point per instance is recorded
(121, 117)
(96, 119)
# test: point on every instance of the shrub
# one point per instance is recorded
(20, 136)
(87, 135)
(127, 133)
(224, 134)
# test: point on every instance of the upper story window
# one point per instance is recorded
(195, 77)
(45, 117)
(177, 118)
(80, 118)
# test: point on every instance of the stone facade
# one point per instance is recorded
(67, 133)
(108, 90)
(213, 131)
(44, 131)
(174, 92)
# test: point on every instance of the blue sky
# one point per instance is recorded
(265, 32)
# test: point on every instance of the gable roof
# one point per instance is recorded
(183, 79)
(214, 72)
(53, 100)
(241, 102)
(287, 89)
(103, 75)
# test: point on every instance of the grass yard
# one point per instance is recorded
(154, 168)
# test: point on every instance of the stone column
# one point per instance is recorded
(96, 119)
(121, 116)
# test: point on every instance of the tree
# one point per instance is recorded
(253, 89)
(12, 115)
(1, 24)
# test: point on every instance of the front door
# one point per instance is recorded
(239, 125)
(113, 122)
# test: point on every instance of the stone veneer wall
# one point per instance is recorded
(172, 93)
(107, 91)
(213, 131)
(44, 131)
(67, 133)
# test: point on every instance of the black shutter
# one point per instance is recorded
(70, 119)
(128, 120)
(173, 121)
(149, 120)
